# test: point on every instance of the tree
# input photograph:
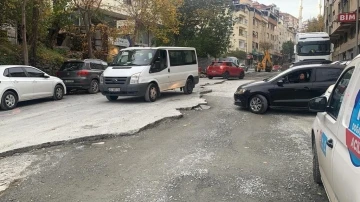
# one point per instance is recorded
(316, 24)
(288, 48)
(237, 53)
(87, 9)
(205, 25)
(159, 17)
(23, 31)
(265, 46)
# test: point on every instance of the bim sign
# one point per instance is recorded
(347, 17)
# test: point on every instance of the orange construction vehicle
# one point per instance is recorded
(265, 64)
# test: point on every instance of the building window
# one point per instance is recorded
(241, 32)
(241, 44)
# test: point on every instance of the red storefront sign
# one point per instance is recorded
(347, 17)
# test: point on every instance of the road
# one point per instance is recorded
(219, 153)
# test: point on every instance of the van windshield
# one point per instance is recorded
(137, 57)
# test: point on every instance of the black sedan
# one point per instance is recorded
(291, 89)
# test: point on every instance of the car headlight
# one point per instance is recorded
(135, 78)
(101, 78)
(241, 91)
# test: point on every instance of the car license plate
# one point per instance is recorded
(69, 81)
(114, 89)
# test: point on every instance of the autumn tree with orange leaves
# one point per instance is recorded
(160, 17)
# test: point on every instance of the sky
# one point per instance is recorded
(310, 7)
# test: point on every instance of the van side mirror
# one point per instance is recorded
(280, 82)
(318, 104)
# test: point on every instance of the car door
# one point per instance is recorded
(324, 77)
(43, 86)
(24, 85)
(293, 92)
(333, 154)
(161, 75)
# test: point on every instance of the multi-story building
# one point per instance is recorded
(340, 18)
(240, 36)
(290, 21)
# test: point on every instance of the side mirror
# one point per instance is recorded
(318, 104)
(280, 82)
(45, 75)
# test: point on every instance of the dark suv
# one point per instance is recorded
(82, 74)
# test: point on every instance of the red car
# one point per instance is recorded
(225, 70)
(276, 68)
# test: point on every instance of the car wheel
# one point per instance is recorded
(189, 86)
(226, 75)
(316, 168)
(210, 77)
(94, 87)
(58, 92)
(9, 100)
(112, 98)
(242, 75)
(258, 104)
(152, 93)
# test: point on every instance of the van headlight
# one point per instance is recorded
(101, 78)
(135, 78)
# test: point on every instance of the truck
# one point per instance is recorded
(266, 63)
(313, 46)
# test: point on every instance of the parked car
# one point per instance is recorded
(147, 71)
(309, 62)
(225, 70)
(20, 83)
(335, 137)
(276, 68)
(291, 89)
(82, 74)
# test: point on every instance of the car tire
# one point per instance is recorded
(258, 104)
(210, 77)
(316, 168)
(112, 98)
(9, 100)
(189, 87)
(58, 92)
(226, 75)
(242, 75)
(94, 87)
(152, 93)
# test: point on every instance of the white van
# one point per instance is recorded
(147, 71)
(336, 137)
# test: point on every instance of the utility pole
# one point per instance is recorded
(357, 27)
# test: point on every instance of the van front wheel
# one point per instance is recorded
(189, 86)
(152, 93)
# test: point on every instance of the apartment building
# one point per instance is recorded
(241, 24)
(340, 18)
(290, 21)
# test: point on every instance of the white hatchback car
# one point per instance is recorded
(335, 137)
(20, 83)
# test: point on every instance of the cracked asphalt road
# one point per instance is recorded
(217, 154)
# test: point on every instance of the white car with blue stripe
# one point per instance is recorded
(336, 137)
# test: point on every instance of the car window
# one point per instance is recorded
(327, 74)
(338, 93)
(229, 64)
(17, 72)
(33, 72)
(300, 76)
(72, 66)
(6, 73)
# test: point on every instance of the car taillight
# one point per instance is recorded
(222, 67)
(83, 73)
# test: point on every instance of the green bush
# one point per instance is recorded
(49, 60)
(10, 54)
